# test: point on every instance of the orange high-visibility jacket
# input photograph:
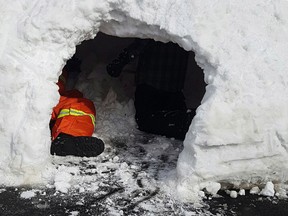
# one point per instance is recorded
(74, 115)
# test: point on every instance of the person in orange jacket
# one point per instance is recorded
(73, 120)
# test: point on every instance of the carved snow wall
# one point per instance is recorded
(240, 131)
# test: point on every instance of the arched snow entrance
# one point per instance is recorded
(240, 131)
(97, 53)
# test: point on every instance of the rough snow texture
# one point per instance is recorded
(268, 190)
(240, 131)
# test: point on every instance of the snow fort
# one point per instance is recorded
(239, 135)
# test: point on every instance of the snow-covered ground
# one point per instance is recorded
(240, 132)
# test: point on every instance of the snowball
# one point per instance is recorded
(233, 194)
(241, 192)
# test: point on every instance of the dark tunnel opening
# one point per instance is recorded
(155, 110)
(97, 53)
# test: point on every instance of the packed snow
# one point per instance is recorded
(268, 190)
(28, 194)
(238, 136)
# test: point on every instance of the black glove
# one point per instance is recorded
(115, 68)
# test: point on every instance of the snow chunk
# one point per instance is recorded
(268, 190)
(28, 194)
(255, 190)
(63, 177)
(241, 192)
(74, 213)
(212, 187)
(233, 194)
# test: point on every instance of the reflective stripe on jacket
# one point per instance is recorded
(75, 112)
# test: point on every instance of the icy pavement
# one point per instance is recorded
(127, 179)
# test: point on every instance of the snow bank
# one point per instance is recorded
(240, 131)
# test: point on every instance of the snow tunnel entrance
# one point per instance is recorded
(240, 117)
(114, 96)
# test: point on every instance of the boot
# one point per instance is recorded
(82, 146)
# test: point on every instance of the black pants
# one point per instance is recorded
(161, 112)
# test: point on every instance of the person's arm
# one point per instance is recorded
(128, 55)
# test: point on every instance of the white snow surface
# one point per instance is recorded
(28, 194)
(240, 132)
(268, 190)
